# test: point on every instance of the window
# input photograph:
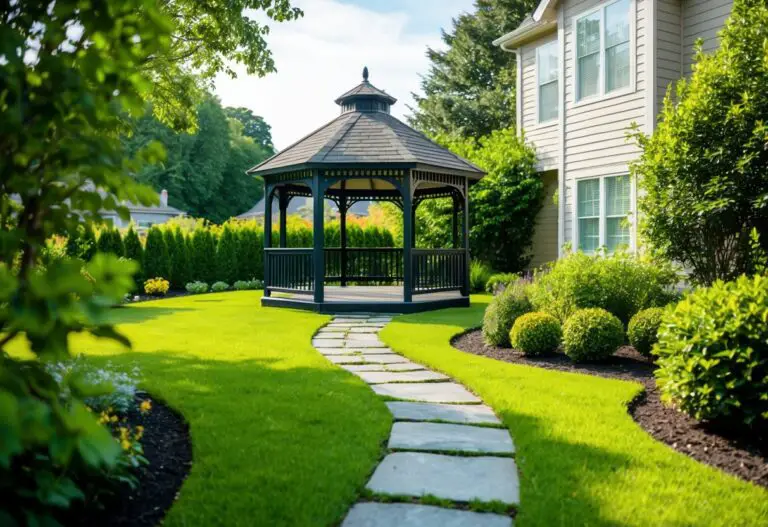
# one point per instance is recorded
(603, 206)
(603, 61)
(546, 73)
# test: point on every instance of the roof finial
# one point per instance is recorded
(365, 73)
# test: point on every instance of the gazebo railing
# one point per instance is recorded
(379, 265)
(289, 270)
(436, 270)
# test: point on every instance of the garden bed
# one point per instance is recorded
(168, 448)
(738, 452)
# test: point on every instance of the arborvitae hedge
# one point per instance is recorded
(180, 261)
(250, 256)
(156, 259)
(226, 257)
(110, 242)
(135, 251)
(88, 243)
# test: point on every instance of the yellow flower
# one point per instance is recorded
(139, 432)
(126, 444)
(145, 406)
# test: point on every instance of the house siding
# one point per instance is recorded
(544, 137)
(544, 244)
(669, 42)
(595, 130)
(702, 20)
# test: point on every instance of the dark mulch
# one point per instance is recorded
(743, 453)
(170, 294)
(168, 448)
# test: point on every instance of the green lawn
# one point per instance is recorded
(583, 460)
(280, 436)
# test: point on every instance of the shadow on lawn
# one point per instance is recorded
(288, 445)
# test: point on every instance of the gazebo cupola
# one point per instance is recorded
(365, 97)
(366, 154)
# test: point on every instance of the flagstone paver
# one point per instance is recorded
(450, 438)
(456, 478)
(456, 413)
(471, 463)
(379, 377)
(413, 515)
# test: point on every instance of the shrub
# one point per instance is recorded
(501, 314)
(197, 288)
(156, 259)
(110, 242)
(500, 281)
(123, 383)
(218, 287)
(180, 260)
(250, 255)
(226, 256)
(643, 328)
(536, 333)
(713, 352)
(621, 284)
(703, 172)
(156, 286)
(479, 273)
(203, 255)
(134, 251)
(242, 285)
(592, 334)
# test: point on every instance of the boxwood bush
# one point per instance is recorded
(218, 287)
(536, 333)
(592, 334)
(197, 288)
(501, 314)
(621, 284)
(500, 281)
(713, 352)
(643, 328)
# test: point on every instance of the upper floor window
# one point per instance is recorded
(603, 59)
(603, 208)
(546, 74)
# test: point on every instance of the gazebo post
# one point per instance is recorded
(465, 285)
(343, 233)
(455, 222)
(408, 217)
(318, 227)
(414, 206)
(267, 235)
(283, 203)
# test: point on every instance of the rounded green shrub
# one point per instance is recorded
(592, 334)
(536, 333)
(218, 287)
(643, 328)
(501, 313)
(197, 288)
(713, 352)
(500, 281)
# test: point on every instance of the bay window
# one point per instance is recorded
(603, 60)
(546, 75)
(602, 210)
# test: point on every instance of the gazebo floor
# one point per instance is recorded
(370, 299)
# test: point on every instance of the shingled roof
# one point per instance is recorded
(365, 134)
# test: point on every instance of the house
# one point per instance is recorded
(301, 207)
(587, 70)
(144, 217)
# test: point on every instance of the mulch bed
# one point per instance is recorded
(743, 453)
(168, 448)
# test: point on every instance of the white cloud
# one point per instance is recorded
(321, 56)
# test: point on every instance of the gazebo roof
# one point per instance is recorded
(365, 135)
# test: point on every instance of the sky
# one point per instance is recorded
(322, 55)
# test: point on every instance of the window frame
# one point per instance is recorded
(556, 81)
(603, 217)
(601, 93)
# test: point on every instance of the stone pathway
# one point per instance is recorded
(444, 443)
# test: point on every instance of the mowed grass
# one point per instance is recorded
(582, 459)
(280, 436)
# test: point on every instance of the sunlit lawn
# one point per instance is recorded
(280, 436)
(583, 460)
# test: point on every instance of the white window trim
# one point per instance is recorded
(554, 120)
(603, 219)
(602, 95)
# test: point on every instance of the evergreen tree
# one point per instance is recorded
(211, 241)
(135, 252)
(180, 261)
(250, 256)
(203, 256)
(226, 257)
(470, 87)
(87, 243)
(170, 241)
(156, 261)
(74, 242)
(110, 242)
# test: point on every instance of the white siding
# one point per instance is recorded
(595, 130)
(543, 137)
(702, 19)
(544, 243)
(669, 41)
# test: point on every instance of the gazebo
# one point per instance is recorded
(365, 154)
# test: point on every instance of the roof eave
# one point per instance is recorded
(475, 174)
(521, 36)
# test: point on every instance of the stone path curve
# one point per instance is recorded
(444, 443)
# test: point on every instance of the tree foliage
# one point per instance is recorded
(204, 172)
(470, 87)
(156, 259)
(69, 74)
(226, 257)
(255, 127)
(703, 171)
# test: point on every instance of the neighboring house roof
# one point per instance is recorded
(541, 21)
(366, 134)
(257, 211)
